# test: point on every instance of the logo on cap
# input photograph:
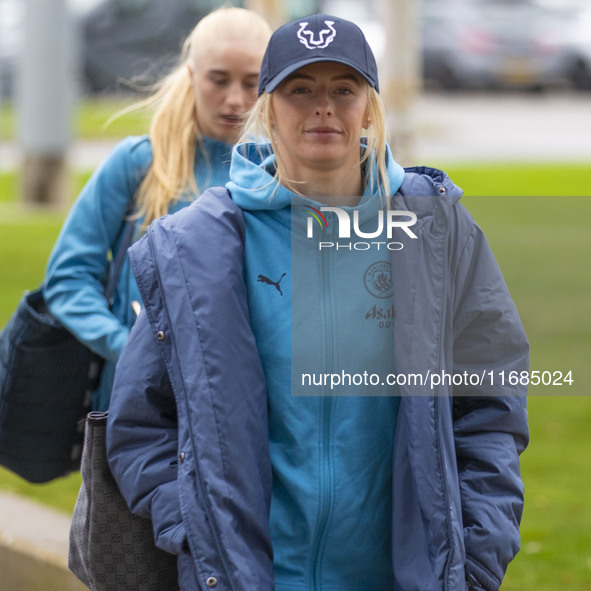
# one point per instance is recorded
(326, 36)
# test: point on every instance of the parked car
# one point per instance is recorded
(569, 31)
(135, 40)
(464, 43)
(487, 43)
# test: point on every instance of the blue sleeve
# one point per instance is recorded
(78, 263)
(490, 423)
(142, 437)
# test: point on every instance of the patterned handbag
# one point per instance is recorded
(110, 547)
(47, 378)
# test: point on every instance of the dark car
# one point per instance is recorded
(119, 40)
(128, 41)
(137, 41)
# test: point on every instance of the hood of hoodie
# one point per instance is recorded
(254, 187)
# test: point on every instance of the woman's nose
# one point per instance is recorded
(236, 96)
(323, 104)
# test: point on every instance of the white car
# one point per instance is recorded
(488, 43)
(569, 30)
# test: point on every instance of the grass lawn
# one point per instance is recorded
(543, 245)
(90, 118)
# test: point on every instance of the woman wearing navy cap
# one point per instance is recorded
(310, 399)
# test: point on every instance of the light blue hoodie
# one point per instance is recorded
(317, 311)
(77, 266)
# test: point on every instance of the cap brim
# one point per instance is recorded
(279, 78)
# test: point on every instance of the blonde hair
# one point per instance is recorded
(174, 130)
(258, 128)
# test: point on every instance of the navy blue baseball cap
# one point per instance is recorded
(316, 38)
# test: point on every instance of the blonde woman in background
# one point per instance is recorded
(199, 110)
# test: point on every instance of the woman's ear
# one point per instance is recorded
(367, 120)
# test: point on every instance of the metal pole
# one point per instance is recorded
(401, 74)
(45, 96)
(272, 10)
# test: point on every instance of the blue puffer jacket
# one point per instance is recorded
(188, 435)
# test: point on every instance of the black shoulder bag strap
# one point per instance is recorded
(119, 257)
(115, 266)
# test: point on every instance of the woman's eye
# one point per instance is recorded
(219, 81)
(344, 91)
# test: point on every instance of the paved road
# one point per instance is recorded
(504, 126)
(457, 127)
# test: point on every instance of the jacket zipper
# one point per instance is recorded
(325, 409)
(437, 403)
